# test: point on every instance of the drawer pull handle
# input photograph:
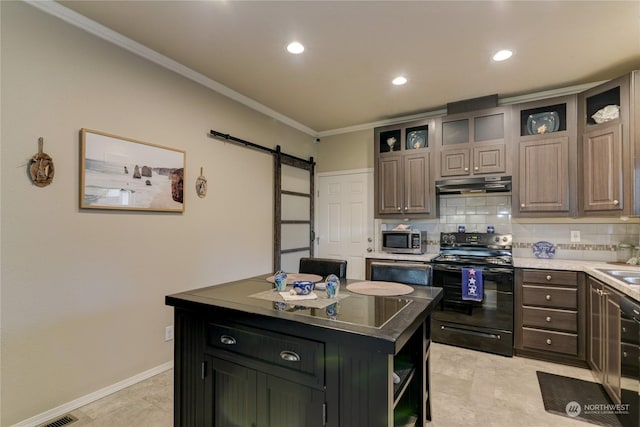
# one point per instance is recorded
(624, 354)
(290, 356)
(227, 340)
(548, 277)
(624, 329)
(549, 341)
(548, 319)
(548, 297)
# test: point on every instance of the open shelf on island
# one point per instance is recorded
(405, 370)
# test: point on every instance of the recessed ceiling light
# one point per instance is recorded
(400, 80)
(502, 55)
(295, 48)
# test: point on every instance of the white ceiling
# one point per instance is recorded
(355, 48)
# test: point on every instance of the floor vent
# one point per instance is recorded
(62, 421)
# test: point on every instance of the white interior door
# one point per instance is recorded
(344, 216)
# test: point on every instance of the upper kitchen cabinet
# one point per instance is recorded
(473, 143)
(608, 120)
(545, 168)
(403, 170)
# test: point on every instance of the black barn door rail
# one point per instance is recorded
(227, 137)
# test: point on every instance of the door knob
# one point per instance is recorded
(548, 341)
(615, 202)
(548, 277)
(369, 250)
(548, 297)
(476, 168)
(548, 319)
(522, 205)
(369, 240)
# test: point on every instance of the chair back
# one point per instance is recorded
(323, 267)
(409, 274)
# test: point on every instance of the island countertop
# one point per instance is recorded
(242, 336)
(381, 318)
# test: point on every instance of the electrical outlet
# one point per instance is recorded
(575, 236)
(168, 333)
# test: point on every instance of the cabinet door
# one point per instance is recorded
(454, 162)
(603, 173)
(417, 183)
(390, 184)
(230, 395)
(489, 159)
(612, 367)
(544, 172)
(282, 403)
(595, 328)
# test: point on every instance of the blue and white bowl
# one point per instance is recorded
(302, 287)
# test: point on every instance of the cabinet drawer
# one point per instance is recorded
(549, 296)
(297, 354)
(629, 359)
(550, 276)
(559, 342)
(564, 320)
(630, 332)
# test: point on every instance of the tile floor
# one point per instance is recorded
(469, 388)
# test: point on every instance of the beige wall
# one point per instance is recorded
(345, 152)
(82, 291)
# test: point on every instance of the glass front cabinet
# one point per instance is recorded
(403, 170)
(473, 144)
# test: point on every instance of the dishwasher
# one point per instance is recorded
(630, 361)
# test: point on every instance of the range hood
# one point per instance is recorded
(495, 184)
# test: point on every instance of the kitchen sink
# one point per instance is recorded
(629, 276)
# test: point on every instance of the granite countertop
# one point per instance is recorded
(403, 257)
(590, 267)
(355, 313)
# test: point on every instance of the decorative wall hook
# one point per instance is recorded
(201, 185)
(41, 167)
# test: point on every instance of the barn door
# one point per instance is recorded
(293, 215)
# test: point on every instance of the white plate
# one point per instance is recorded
(416, 139)
(543, 123)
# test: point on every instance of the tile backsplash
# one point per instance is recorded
(598, 237)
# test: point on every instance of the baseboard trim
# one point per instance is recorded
(92, 397)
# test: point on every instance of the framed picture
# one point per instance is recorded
(122, 173)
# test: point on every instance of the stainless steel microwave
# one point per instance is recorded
(403, 241)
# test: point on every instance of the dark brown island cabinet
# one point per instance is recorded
(243, 360)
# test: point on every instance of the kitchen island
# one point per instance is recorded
(243, 360)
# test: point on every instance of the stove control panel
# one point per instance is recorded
(485, 240)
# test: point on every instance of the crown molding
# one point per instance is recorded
(71, 17)
(571, 90)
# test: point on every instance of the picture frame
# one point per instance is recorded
(127, 174)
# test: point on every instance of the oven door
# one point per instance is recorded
(486, 325)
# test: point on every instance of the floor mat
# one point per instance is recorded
(573, 398)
